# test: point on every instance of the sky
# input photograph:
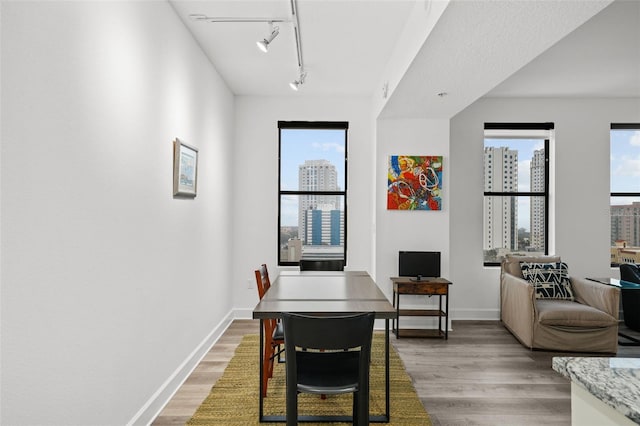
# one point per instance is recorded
(298, 145)
(625, 161)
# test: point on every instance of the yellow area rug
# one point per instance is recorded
(234, 398)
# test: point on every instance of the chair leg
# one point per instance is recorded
(267, 365)
(361, 408)
(265, 379)
(280, 350)
(355, 413)
(270, 366)
(292, 405)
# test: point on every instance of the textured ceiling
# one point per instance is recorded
(599, 59)
(478, 44)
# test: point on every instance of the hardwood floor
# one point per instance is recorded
(196, 388)
(481, 376)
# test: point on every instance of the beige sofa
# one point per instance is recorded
(588, 324)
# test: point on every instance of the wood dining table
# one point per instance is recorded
(325, 293)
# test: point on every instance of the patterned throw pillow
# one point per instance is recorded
(550, 280)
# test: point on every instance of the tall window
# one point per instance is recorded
(516, 189)
(625, 193)
(312, 208)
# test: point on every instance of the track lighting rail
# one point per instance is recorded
(214, 19)
(264, 44)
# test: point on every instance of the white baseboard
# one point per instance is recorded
(428, 323)
(475, 314)
(163, 395)
(243, 313)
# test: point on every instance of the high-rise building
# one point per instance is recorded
(293, 251)
(625, 224)
(316, 175)
(537, 203)
(500, 213)
(324, 226)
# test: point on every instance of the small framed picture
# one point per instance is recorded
(185, 169)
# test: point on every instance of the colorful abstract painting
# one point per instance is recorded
(414, 182)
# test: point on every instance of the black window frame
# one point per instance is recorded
(545, 194)
(620, 126)
(312, 125)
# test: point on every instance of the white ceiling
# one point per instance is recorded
(345, 43)
(501, 48)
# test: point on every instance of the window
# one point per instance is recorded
(625, 193)
(516, 189)
(312, 191)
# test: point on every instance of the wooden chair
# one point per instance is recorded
(262, 280)
(273, 331)
(324, 366)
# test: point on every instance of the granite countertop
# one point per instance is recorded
(614, 381)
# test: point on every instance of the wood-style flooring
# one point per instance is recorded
(481, 375)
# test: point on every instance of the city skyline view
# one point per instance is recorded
(514, 164)
(525, 149)
(625, 178)
(312, 163)
(299, 146)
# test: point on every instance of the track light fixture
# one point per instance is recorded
(264, 43)
(296, 83)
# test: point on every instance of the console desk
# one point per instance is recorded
(426, 287)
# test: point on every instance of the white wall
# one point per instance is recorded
(410, 230)
(109, 284)
(581, 191)
(255, 232)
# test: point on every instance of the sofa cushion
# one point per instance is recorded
(571, 314)
(511, 262)
(551, 280)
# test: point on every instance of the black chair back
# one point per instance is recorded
(630, 297)
(322, 265)
(325, 366)
(630, 272)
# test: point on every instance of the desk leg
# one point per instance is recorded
(393, 303)
(395, 322)
(440, 317)
(386, 370)
(260, 410)
(446, 318)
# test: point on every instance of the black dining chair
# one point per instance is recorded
(324, 367)
(321, 264)
(630, 296)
